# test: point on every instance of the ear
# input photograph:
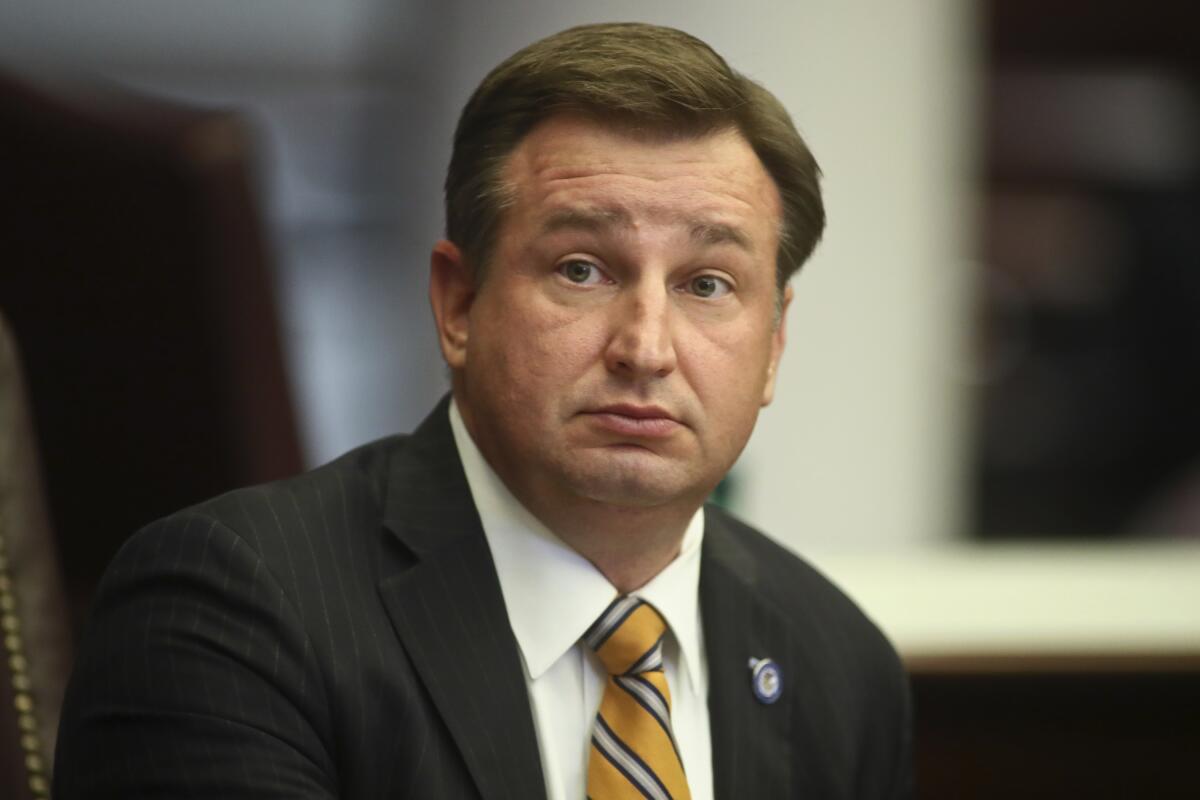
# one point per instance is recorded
(451, 294)
(778, 340)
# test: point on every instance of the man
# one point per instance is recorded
(526, 598)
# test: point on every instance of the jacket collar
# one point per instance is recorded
(447, 609)
(751, 740)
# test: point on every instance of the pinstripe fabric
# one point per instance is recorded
(342, 634)
(274, 643)
(633, 752)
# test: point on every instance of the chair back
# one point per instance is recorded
(35, 640)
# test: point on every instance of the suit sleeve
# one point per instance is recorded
(195, 678)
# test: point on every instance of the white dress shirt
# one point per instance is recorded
(552, 595)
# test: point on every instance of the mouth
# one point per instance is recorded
(647, 422)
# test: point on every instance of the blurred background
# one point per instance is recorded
(216, 220)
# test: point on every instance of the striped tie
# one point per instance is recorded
(633, 752)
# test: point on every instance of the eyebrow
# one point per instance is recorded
(600, 220)
(595, 220)
(715, 233)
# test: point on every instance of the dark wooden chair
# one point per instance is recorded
(136, 274)
(33, 619)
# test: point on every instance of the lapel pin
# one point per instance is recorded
(766, 680)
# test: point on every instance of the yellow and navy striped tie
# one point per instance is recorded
(633, 753)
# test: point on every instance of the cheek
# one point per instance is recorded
(534, 350)
(728, 375)
(728, 364)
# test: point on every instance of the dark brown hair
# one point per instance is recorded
(658, 79)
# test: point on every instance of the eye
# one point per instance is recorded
(708, 286)
(580, 272)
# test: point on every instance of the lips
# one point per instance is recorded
(651, 422)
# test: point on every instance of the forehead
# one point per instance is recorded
(571, 165)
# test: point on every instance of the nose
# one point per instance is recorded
(642, 343)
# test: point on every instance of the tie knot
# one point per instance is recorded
(628, 637)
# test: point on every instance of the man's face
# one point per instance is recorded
(623, 339)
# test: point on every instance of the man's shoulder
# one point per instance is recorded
(848, 681)
(333, 506)
(785, 576)
(811, 604)
(355, 481)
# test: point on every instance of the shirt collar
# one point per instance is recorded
(533, 564)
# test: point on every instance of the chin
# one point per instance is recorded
(631, 496)
(636, 480)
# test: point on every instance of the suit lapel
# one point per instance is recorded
(751, 741)
(449, 613)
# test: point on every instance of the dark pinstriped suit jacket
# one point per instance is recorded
(342, 634)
